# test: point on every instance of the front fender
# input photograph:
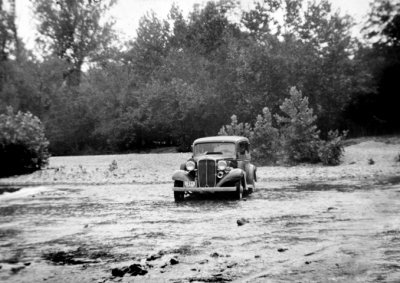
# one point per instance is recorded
(233, 176)
(181, 175)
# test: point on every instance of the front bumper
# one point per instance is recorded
(232, 176)
(204, 189)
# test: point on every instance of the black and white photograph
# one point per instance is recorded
(199, 141)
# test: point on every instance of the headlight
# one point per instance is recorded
(222, 165)
(190, 165)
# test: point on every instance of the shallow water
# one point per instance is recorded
(311, 232)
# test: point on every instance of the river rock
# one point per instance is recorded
(137, 269)
(242, 221)
(154, 257)
(117, 272)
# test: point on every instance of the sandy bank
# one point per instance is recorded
(158, 168)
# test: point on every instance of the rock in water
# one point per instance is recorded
(137, 269)
(117, 272)
(242, 221)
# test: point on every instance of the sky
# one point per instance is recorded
(128, 12)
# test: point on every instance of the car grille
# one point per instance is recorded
(206, 173)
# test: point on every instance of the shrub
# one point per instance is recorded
(236, 129)
(23, 145)
(331, 151)
(298, 132)
(265, 139)
(295, 140)
(113, 166)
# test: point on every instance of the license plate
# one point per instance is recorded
(190, 184)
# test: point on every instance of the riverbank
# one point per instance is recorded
(364, 159)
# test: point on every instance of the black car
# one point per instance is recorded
(218, 164)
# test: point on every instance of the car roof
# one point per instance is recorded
(234, 139)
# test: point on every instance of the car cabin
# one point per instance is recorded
(239, 149)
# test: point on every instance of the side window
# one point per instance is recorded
(244, 150)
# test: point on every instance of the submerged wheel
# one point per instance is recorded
(179, 196)
(239, 192)
(253, 187)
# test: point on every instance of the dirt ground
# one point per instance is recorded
(113, 219)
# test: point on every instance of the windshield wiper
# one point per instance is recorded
(211, 152)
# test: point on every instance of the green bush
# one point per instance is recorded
(265, 140)
(331, 150)
(23, 145)
(298, 132)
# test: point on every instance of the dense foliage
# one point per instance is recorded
(296, 138)
(183, 77)
(23, 145)
(236, 129)
(331, 151)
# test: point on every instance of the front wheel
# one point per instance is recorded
(179, 196)
(239, 191)
(253, 187)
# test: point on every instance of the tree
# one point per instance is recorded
(8, 42)
(208, 27)
(330, 72)
(236, 129)
(265, 139)
(114, 106)
(71, 29)
(383, 24)
(260, 20)
(17, 69)
(374, 109)
(150, 47)
(299, 134)
(179, 29)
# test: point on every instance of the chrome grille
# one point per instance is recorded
(206, 173)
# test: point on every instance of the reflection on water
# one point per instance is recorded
(138, 220)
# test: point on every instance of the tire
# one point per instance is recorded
(179, 196)
(238, 194)
(253, 187)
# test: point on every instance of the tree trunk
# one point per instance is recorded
(14, 30)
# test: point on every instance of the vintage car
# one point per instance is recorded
(218, 164)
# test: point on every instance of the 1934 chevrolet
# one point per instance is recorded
(218, 164)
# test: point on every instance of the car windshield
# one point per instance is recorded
(227, 149)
